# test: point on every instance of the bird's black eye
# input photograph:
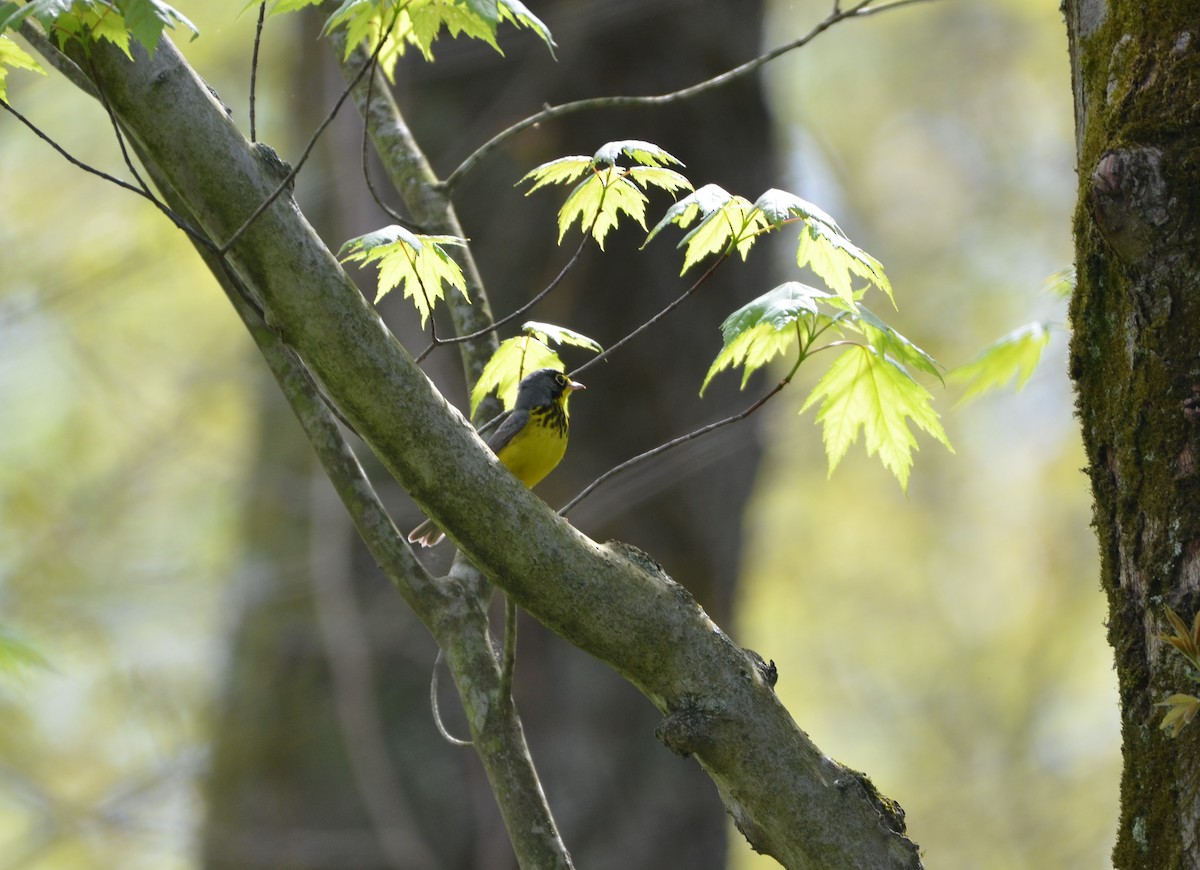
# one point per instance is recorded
(560, 380)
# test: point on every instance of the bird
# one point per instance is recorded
(532, 439)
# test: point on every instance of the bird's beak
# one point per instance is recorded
(575, 385)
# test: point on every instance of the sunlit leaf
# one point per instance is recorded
(516, 12)
(18, 655)
(12, 56)
(146, 20)
(889, 342)
(598, 202)
(725, 220)
(1015, 356)
(837, 260)
(780, 207)
(515, 358)
(550, 333)
(766, 327)
(1181, 709)
(416, 262)
(609, 190)
(419, 23)
(653, 176)
(1061, 283)
(866, 391)
(645, 153)
(563, 170)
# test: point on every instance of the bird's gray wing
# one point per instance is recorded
(513, 424)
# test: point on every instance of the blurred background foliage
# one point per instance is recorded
(949, 643)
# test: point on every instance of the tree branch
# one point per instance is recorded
(789, 799)
(858, 10)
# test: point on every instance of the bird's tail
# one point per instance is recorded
(426, 534)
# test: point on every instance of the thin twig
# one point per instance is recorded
(508, 660)
(120, 137)
(859, 9)
(99, 173)
(515, 314)
(657, 317)
(435, 707)
(387, 209)
(258, 29)
(803, 353)
(312, 142)
(675, 442)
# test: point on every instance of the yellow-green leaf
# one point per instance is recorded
(416, 262)
(1181, 709)
(766, 327)
(515, 358)
(1016, 355)
(837, 260)
(866, 391)
(12, 56)
(549, 332)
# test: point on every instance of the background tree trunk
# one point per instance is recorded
(1136, 321)
(285, 790)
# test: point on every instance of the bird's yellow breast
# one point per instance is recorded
(539, 446)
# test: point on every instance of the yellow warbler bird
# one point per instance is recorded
(531, 440)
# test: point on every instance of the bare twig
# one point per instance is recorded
(657, 317)
(287, 181)
(435, 706)
(860, 9)
(804, 353)
(192, 232)
(508, 660)
(436, 342)
(675, 442)
(258, 29)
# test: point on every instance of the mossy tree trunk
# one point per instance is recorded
(1135, 359)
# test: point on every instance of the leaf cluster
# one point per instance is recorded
(86, 20)
(1182, 708)
(418, 263)
(607, 189)
(404, 24)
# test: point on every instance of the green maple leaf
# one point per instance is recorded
(1015, 356)
(837, 260)
(146, 20)
(12, 56)
(608, 189)
(886, 340)
(549, 333)
(767, 327)
(866, 391)
(725, 221)
(515, 358)
(418, 23)
(416, 262)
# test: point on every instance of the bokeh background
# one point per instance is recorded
(948, 641)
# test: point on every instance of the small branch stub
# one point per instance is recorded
(1130, 201)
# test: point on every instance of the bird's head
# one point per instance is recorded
(545, 386)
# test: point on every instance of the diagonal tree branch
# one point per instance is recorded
(789, 799)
